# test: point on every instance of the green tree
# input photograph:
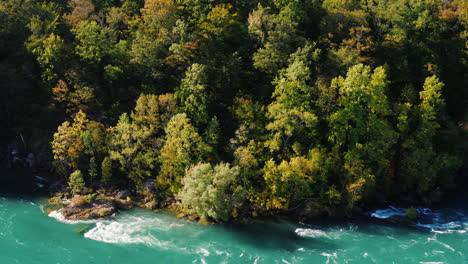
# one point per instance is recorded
(421, 164)
(211, 193)
(135, 143)
(360, 127)
(287, 183)
(50, 53)
(106, 170)
(278, 35)
(94, 41)
(183, 147)
(291, 115)
(76, 182)
(151, 41)
(221, 24)
(192, 94)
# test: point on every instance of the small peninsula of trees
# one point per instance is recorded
(225, 103)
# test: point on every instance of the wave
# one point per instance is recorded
(122, 233)
(130, 229)
(444, 221)
(305, 232)
(389, 212)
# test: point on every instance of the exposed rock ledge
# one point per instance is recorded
(94, 210)
(83, 207)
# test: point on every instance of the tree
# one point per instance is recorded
(211, 193)
(94, 41)
(183, 147)
(292, 119)
(67, 145)
(72, 95)
(220, 24)
(106, 170)
(360, 127)
(421, 163)
(287, 183)
(277, 34)
(154, 36)
(192, 94)
(159, 16)
(135, 143)
(81, 10)
(76, 182)
(50, 54)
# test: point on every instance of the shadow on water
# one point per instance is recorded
(277, 234)
(19, 183)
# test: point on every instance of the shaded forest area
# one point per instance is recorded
(224, 103)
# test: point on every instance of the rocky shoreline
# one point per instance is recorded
(103, 204)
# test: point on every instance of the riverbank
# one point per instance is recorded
(105, 203)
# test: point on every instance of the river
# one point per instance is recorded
(28, 235)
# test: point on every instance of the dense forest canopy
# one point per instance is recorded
(267, 102)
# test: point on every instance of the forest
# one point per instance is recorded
(224, 104)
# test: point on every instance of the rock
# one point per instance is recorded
(151, 204)
(123, 194)
(401, 220)
(79, 201)
(204, 221)
(181, 215)
(125, 205)
(49, 210)
(94, 210)
(193, 218)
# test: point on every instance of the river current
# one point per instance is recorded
(29, 235)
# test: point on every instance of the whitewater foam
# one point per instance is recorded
(386, 213)
(305, 232)
(57, 215)
(204, 252)
(440, 222)
(331, 257)
(122, 233)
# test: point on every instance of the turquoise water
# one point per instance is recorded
(28, 235)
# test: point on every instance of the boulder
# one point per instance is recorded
(125, 205)
(181, 215)
(123, 194)
(151, 204)
(94, 210)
